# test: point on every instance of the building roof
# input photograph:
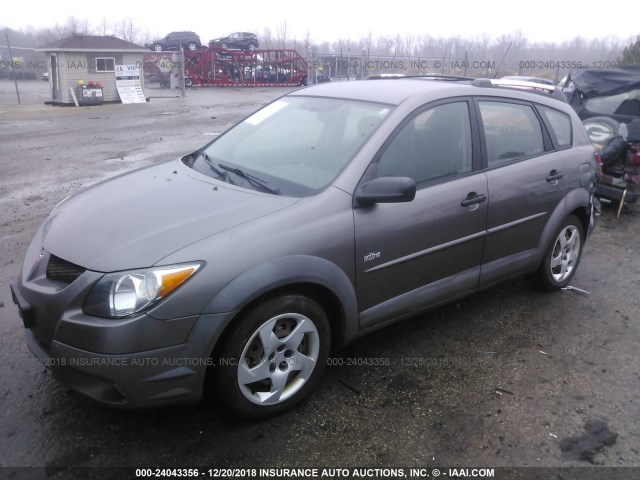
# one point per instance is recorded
(91, 43)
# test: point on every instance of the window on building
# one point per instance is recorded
(105, 64)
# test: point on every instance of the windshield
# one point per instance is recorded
(296, 145)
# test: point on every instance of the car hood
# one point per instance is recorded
(137, 219)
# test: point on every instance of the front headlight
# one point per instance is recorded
(122, 294)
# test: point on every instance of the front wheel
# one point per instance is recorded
(157, 48)
(274, 357)
(192, 46)
(563, 256)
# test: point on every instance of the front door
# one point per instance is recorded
(411, 255)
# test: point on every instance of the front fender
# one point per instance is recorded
(288, 271)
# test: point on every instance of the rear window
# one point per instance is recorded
(560, 124)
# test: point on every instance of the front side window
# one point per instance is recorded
(436, 143)
(105, 64)
(298, 144)
(512, 131)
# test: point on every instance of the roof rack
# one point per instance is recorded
(428, 76)
(540, 88)
(438, 76)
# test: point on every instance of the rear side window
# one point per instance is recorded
(512, 131)
(560, 124)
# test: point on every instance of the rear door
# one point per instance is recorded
(414, 254)
(526, 181)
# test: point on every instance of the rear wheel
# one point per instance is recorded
(274, 357)
(252, 47)
(563, 256)
(192, 46)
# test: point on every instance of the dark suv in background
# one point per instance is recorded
(188, 40)
(241, 40)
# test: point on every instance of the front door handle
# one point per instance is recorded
(554, 176)
(472, 199)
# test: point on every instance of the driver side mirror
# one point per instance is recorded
(385, 190)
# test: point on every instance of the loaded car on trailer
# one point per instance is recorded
(187, 40)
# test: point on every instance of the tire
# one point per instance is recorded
(224, 45)
(601, 129)
(188, 82)
(274, 357)
(192, 47)
(252, 47)
(157, 48)
(561, 260)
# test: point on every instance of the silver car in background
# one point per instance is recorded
(333, 211)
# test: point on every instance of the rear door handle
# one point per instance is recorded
(554, 176)
(472, 199)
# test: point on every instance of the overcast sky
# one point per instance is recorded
(333, 19)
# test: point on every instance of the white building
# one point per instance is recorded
(90, 59)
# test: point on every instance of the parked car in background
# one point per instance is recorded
(241, 40)
(188, 40)
(329, 213)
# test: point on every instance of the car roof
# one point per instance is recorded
(387, 90)
(394, 91)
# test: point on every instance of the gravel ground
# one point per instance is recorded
(510, 377)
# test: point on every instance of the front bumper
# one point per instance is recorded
(131, 363)
(163, 376)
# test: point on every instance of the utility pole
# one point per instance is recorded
(15, 75)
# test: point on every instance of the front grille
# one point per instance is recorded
(62, 271)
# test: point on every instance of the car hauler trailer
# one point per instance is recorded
(220, 67)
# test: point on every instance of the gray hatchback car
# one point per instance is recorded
(331, 212)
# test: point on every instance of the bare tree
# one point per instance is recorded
(104, 26)
(126, 30)
(366, 43)
(267, 38)
(410, 43)
(281, 31)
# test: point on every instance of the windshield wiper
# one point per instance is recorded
(222, 175)
(253, 180)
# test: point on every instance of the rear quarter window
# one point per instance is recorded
(560, 126)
